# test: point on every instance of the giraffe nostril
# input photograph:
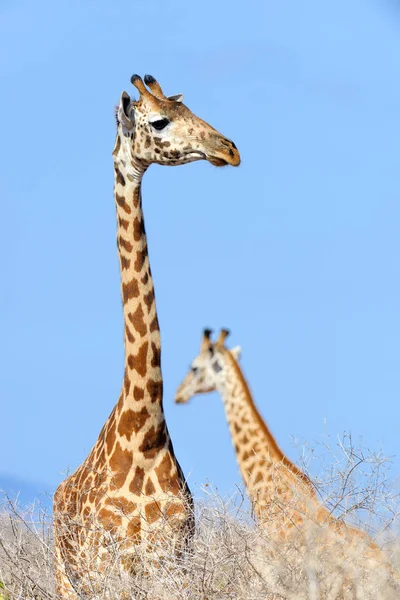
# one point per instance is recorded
(228, 144)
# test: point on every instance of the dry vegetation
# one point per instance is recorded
(231, 557)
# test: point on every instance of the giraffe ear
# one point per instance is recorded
(177, 97)
(236, 352)
(125, 115)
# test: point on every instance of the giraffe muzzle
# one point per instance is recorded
(224, 153)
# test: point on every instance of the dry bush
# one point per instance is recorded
(231, 557)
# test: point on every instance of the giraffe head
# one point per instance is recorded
(161, 129)
(209, 369)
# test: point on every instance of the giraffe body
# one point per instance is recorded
(130, 489)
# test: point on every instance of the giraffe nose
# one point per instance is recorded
(230, 151)
(227, 143)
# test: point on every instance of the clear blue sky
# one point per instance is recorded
(297, 251)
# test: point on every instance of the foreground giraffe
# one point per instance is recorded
(131, 487)
(282, 496)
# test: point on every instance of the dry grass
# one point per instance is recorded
(231, 557)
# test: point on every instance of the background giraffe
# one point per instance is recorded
(282, 496)
(131, 486)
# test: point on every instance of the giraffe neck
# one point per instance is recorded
(257, 451)
(137, 423)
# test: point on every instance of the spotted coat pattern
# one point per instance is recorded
(131, 486)
(283, 498)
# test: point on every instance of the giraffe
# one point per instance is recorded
(131, 486)
(283, 498)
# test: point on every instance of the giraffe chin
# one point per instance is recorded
(218, 162)
(214, 160)
(179, 400)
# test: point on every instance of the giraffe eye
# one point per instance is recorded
(160, 124)
(195, 370)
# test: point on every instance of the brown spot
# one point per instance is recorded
(245, 440)
(156, 355)
(138, 229)
(163, 472)
(125, 244)
(250, 468)
(109, 520)
(125, 263)
(136, 485)
(136, 198)
(92, 496)
(153, 512)
(134, 528)
(137, 320)
(153, 440)
(155, 389)
(140, 259)
(138, 362)
(130, 290)
(87, 484)
(149, 489)
(127, 382)
(236, 427)
(246, 456)
(132, 421)
(123, 223)
(120, 403)
(129, 334)
(259, 477)
(110, 439)
(149, 299)
(102, 434)
(123, 504)
(138, 393)
(145, 278)
(154, 324)
(147, 142)
(120, 463)
(174, 509)
(100, 460)
(119, 177)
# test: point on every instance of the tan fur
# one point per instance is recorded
(282, 496)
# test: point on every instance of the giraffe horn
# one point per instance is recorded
(156, 90)
(155, 87)
(222, 337)
(137, 82)
(206, 341)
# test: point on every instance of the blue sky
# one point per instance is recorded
(297, 251)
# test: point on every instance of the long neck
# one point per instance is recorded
(140, 405)
(257, 452)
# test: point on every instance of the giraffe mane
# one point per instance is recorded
(286, 461)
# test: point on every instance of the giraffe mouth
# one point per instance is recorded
(218, 162)
(214, 160)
